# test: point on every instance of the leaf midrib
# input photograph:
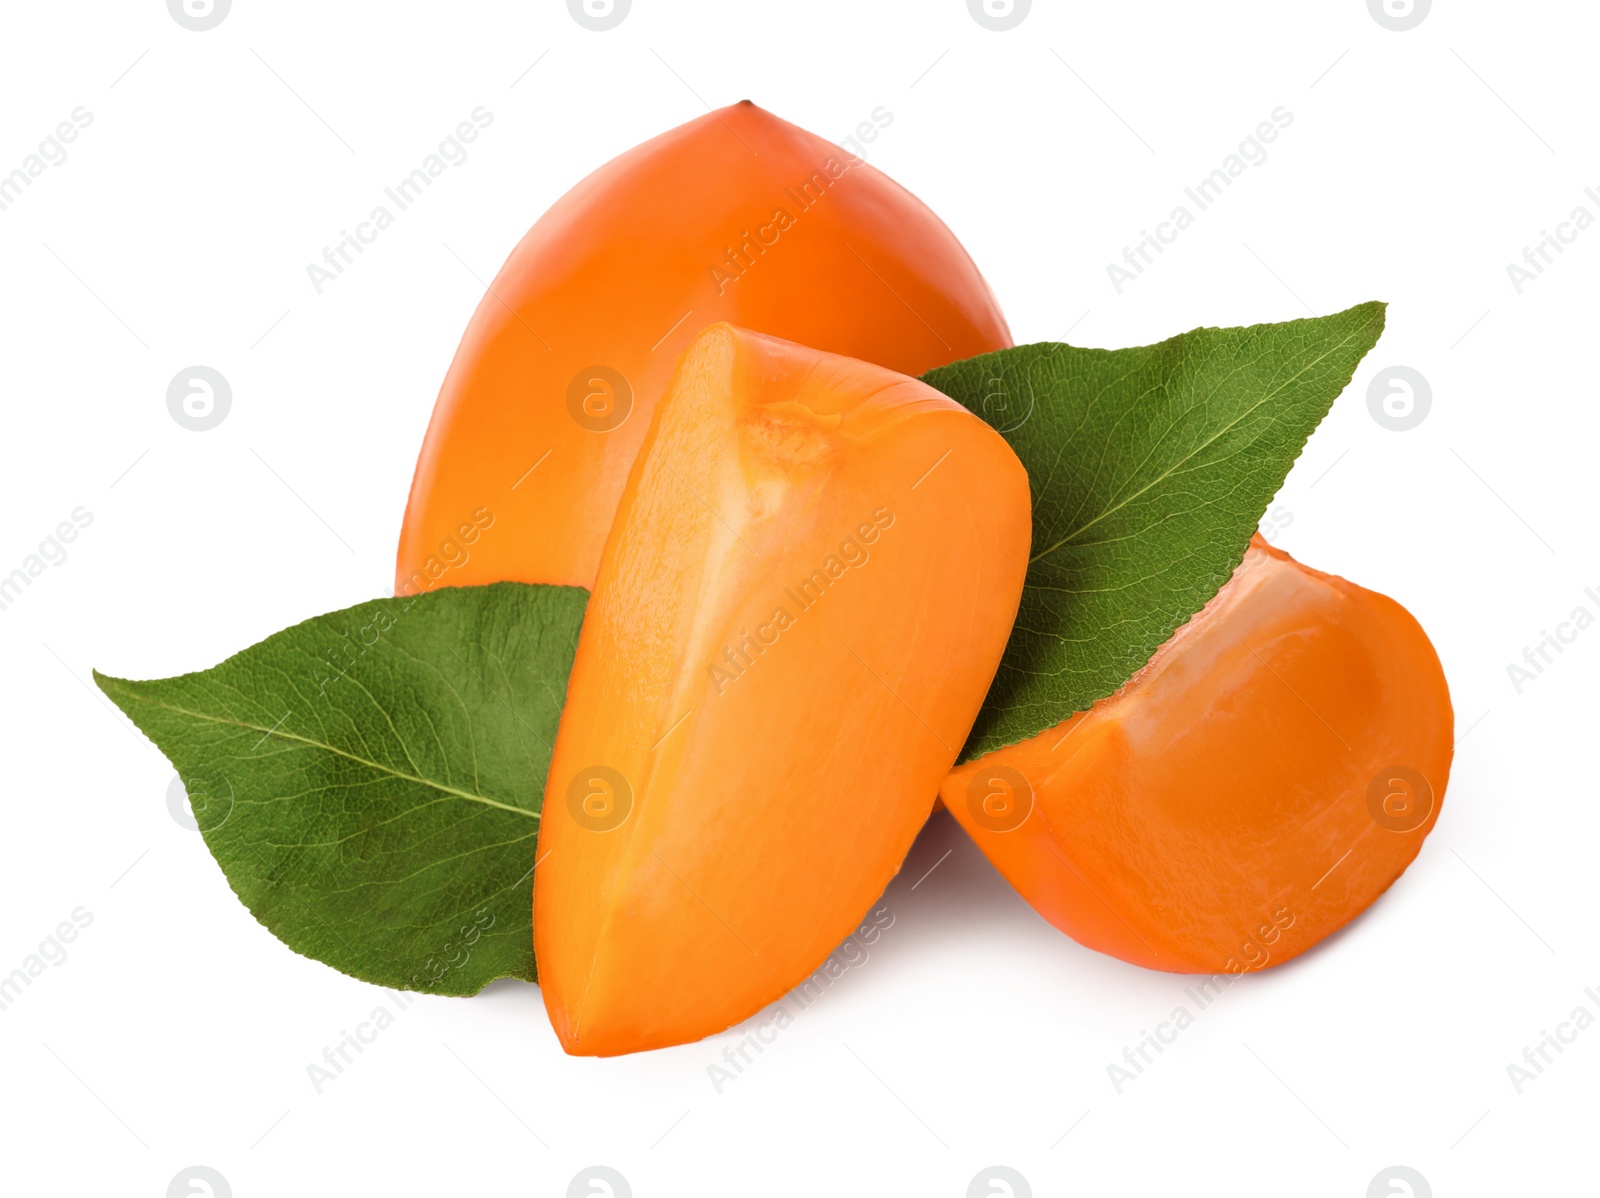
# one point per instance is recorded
(335, 750)
(1202, 447)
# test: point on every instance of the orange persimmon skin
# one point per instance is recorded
(814, 569)
(1271, 771)
(737, 216)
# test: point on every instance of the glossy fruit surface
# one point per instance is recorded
(737, 216)
(814, 569)
(1269, 773)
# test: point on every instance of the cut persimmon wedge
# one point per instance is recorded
(1257, 785)
(814, 569)
(736, 216)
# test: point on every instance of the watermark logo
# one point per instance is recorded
(1536, 1058)
(1253, 953)
(741, 1054)
(1275, 521)
(197, 16)
(999, 1181)
(200, 811)
(456, 952)
(52, 951)
(999, 15)
(178, 805)
(738, 656)
(1004, 411)
(52, 151)
(52, 551)
(1399, 1181)
(599, 798)
(600, 398)
(453, 553)
(451, 152)
(199, 398)
(999, 799)
(1550, 246)
(1399, 15)
(740, 256)
(599, 1181)
(1400, 799)
(1550, 645)
(1251, 153)
(199, 1181)
(1399, 398)
(337, 1057)
(599, 15)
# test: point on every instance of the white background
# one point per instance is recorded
(177, 232)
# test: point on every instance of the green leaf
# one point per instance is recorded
(370, 780)
(1150, 469)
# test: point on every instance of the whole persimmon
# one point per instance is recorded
(1257, 785)
(737, 216)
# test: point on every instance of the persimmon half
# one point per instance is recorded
(813, 572)
(737, 216)
(1258, 784)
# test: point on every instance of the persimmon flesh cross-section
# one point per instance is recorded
(1258, 784)
(813, 573)
(736, 216)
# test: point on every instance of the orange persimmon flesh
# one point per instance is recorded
(813, 573)
(737, 216)
(1256, 786)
